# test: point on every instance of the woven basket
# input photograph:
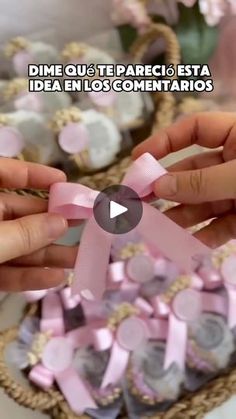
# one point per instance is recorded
(52, 402)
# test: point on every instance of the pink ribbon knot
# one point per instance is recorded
(75, 201)
(57, 357)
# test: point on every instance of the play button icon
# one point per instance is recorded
(118, 209)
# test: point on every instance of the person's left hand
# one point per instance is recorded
(28, 258)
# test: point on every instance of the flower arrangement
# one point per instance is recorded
(196, 22)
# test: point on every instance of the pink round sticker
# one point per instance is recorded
(11, 142)
(187, 305)
(131, 333)
(57, 355)
(103, 98)
(228, 270)
(29, 101)
(21, 60)
(74, 138)
(140, 268)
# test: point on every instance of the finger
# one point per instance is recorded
(199, 161)
(14, 206)
(28, 234)
(190, 215)
(219, 231)
(50, 256)
(19, 174)
(196, 186)
(208, 129)
(18, 279)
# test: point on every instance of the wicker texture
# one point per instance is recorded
(31, 398)
(191, 406)
(165, 102)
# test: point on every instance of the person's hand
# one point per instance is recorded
(204, 184)
(27, 230)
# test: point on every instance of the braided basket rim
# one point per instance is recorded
(193, 405)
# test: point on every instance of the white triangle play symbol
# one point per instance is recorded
(116, 209)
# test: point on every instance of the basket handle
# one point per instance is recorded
(165, 101)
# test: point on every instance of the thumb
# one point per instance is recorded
(197, 186)
(28, 234)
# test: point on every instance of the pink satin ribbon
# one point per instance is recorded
(231, 307)
(69, 302)
(178, 326)
(75, 201)
(104, 339)
(51, 368)
(128, 278)
(214, 278)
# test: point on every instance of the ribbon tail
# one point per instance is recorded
(52, 315)
(75, 391)
(117, 365)
(176, 343)
(92, 262)
(232, 308)
(174, 242)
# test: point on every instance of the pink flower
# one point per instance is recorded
(232, 4)
(213, 10)
(133, 12)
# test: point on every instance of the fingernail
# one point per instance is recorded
(56, 226)
(166, 186)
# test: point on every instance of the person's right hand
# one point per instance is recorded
(204, 185)
(27, 231)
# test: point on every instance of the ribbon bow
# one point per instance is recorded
(126, 337)
(57, 357)
(183, 309)
(75, 201)
(133, 272)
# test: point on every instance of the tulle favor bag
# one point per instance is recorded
(72, 133)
